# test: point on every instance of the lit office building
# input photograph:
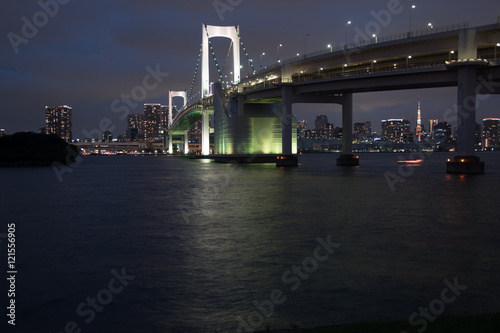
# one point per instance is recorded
(392, 130)
(491, 132)
(441, 132)
(58, 121)
(152, 121)
(301, 127)
(362, 131)
(328, 131)
(432, 123)
(135, 127)
(320, 121)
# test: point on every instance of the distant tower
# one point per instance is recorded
(419, 123)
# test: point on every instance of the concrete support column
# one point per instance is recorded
(170, 148)
(466, 161)
(286, 120)
(466, 111)
(186, 143)
(347, 158)
(347, 125)
(286, 158)
(205, 133)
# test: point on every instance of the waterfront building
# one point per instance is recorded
(58, 121)
(152, 121)
(491, 132)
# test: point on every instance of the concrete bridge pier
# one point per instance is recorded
(205, 134)
(347, 158)
(186, 143)
(286, 158)
(466, 161)
(170, 148)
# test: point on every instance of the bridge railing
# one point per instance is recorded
(372, 40)
(345, 74)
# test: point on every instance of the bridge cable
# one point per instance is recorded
(227, 56)
(189, 96)
(250, 62)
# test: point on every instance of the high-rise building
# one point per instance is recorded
(328, 131)
(301, 127)
(58, 121)
(152, 121)
(491, 132)
(441, 132)
(135, 127)
(2, 132)
(393, 129)
(361, 131)
(164, 117)
(320, 121)
(368, 125)
(432, 123)
(107, 136)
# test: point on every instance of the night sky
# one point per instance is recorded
(91, 52)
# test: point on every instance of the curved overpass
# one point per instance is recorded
(190, 115)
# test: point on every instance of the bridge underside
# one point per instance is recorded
(186, 120)
(249, 128)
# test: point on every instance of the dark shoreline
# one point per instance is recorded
(468, 323)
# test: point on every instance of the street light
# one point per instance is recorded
(412, 7)
(409, 57)
(375, 36)
(345, 65)
(498, 44)
(263, 54)
(373, 62)
(430, 25)
(346, 24)
(279, 52)
(449, 55)
(330, 47)
(320, 69)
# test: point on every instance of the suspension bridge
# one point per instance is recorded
(253, 114)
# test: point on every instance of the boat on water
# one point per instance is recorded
(410, 162)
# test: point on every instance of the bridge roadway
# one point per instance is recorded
(423, 60)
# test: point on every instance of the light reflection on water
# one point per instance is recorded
(246, 226)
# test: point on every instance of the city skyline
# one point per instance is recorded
(91, 68)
